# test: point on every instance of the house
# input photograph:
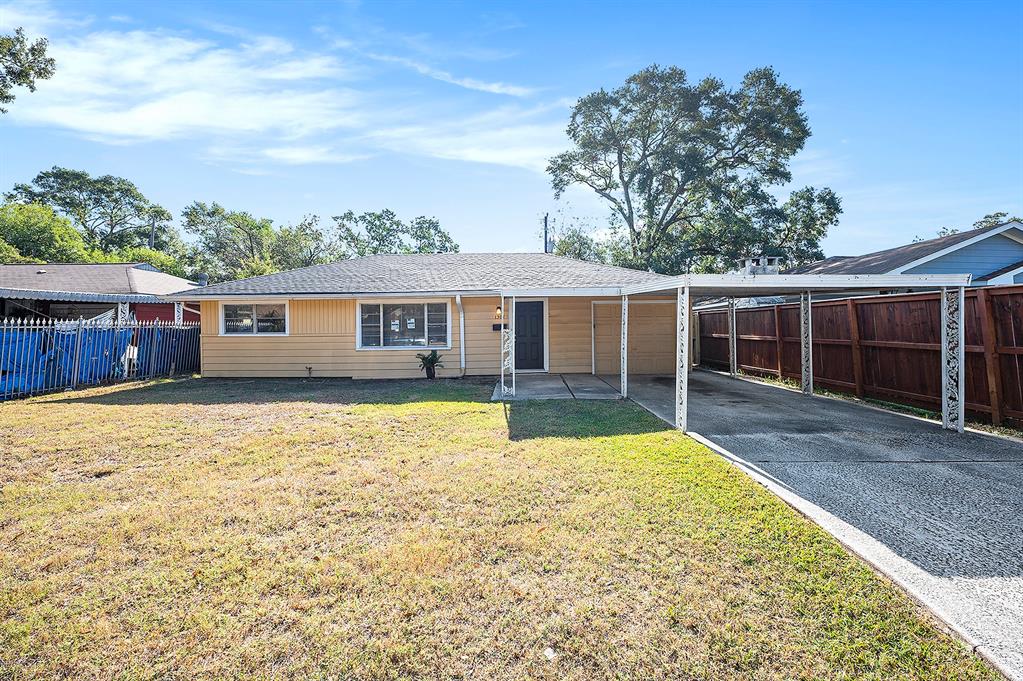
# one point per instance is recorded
(993, 255)
(67, 291)
(502, 313)
(368, 317)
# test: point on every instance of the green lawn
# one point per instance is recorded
(338, 529)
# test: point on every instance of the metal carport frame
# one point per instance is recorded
(733, 286)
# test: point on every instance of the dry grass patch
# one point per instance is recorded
(205, 528)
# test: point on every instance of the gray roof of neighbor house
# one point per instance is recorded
(889, 260)
(106, 282)
(434, 272)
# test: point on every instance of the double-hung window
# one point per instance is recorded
(254, 319)
(403, 325)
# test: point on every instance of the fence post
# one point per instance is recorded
(78, 352)
(992, 362)
(778, 341)
(857, 351)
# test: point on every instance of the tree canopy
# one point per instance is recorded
(22, 63)
(110, 212)
(38, 233)
(683, 164)
(372, 233)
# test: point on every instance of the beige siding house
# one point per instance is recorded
(368, 318)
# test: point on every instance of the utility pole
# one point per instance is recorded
(152, 232)
(546, 243)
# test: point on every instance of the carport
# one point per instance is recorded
(690, 287)
(686, 289)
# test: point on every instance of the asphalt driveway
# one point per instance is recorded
(939, 512)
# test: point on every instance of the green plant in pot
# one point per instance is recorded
(429, 363)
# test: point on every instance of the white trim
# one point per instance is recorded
(254, 334)
(566, 292)
(461, 336)
(955, 247)
(546, 334)
(359, 347)
(593, 338)
(738, 284)
(633, 301)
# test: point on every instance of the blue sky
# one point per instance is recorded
(451, 110)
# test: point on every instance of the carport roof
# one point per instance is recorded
(743, 286)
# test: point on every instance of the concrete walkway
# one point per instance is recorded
(558, 387)
(939, 512)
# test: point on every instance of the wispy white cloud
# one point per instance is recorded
(493, 87)
(512, 136)
(247, 100)
(149, 85)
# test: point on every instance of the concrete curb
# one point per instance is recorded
(855, 541)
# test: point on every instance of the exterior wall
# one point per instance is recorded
(978, 259)
(570, 335)
(651, 337)
(322, 336)
(163, 311)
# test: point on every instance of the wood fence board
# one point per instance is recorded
(887, 347)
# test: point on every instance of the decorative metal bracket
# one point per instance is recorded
(624, 368)
(953, 364)
(806, 343)
(682, 359)
(733, 357)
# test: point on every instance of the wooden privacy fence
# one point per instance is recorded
(885, 347)
(40, 356)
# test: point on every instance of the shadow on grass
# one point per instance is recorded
(214, 391)
(532, 419)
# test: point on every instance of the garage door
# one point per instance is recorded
(651, 337)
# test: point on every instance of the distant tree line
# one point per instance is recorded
(66, 215)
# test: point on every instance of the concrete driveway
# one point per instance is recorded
(939, 512)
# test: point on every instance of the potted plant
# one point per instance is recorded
(429, 363)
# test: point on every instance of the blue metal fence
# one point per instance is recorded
(39, 356)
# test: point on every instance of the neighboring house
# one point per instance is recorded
(993, 255)
(68, 291)
(368, 318)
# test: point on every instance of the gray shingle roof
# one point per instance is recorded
(128, 280)
(434, 272)
(886, 261)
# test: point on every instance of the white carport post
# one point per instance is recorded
(953, 360)
(806, 343)
(733, 361)
(624, 378)
(507, 348)
(511, 345)
(179, 313)
(682, 313)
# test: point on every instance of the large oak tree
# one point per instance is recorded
(677, 160)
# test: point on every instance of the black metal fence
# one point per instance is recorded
(40, 356)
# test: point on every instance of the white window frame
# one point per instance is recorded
(256, 334)
(401, 301)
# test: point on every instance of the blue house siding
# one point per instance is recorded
(985, 256)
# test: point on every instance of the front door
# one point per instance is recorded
(529, 335)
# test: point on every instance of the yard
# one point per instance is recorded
(218, 528)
